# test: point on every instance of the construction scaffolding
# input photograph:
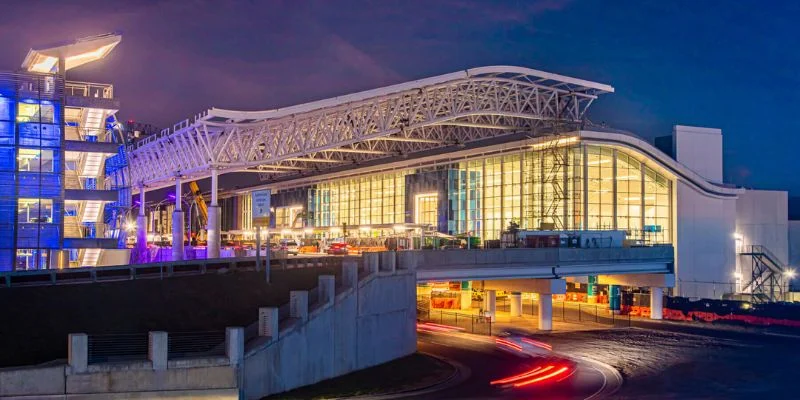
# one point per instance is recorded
(550, 185)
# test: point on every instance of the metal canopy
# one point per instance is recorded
(398, 120)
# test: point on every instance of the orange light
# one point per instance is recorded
(543, 377)
(516, 377)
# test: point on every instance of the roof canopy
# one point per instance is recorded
(399, 120)
(75, 54)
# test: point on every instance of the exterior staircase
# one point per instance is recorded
(91, 211)
(90, 257)
(72, 227)
(766, 282)
(93, 125)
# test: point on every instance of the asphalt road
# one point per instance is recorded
(487, 363)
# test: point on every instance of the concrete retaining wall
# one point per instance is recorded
(368, 320)
(371, 321)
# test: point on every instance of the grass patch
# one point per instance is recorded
(36, 320)
(407, 373)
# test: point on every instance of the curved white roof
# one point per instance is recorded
(401, 119)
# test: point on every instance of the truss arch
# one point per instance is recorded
(403, 119)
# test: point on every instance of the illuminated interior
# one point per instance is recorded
(568, 185)
(75, 54)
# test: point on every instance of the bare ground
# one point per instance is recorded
(670, 365)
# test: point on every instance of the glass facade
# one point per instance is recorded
(366, 200)
(31, 170)
(564, 187)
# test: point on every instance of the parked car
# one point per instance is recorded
(290, 246)
(338, 248)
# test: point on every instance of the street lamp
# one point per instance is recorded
(789, 273)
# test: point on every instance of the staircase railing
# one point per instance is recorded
(766, 282)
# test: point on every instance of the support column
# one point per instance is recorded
(545, 312)
(213, 228)
(466, 295)
(614, 299)
(78, 352)
(177, 224)
(516, 304)
(490, 304)
(141, 229)
(158, 350)
(656, 303)
(591, 290)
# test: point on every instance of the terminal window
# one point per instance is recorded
(35, 160)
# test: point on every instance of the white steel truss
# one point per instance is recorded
(400, 120)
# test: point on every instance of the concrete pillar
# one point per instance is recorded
(141, 228)
(466, 295)
(157, 349)
(234, 344)
(656, 303)
(591, 290)
(490, 303)
(78, 352)
(466, 299)
(213, 231)
(326, 289)
(371, 262)
(298, 304)
(214, 222)
(545, 312)
(268, 322)
(516, 304)
(177, 235)
(177, 222)
(388, 261)
(614, 299)
(350, 273)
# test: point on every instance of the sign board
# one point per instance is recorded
(652, 228)
(261, 205)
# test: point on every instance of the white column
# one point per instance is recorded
(177, 224)
(78, 352)
(158, 348)
(516, 304)
(545, 312)
(466, 299)
(656, 303)
(490, 303)
(213, 229)
(141, 228)
(234, 344)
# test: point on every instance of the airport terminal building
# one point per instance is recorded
(466, 154)
(464, 158)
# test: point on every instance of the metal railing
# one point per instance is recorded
(89, 89)
(195, 344)
(572, 312)
(154, 270)
(118, 347)
(469, 323)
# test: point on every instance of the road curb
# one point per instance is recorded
(613, 378)
(460, 374)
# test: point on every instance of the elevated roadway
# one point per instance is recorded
(546, 263)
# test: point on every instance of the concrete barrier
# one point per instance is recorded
(371, 320)
(369, 323)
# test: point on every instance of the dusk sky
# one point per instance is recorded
(727, 64)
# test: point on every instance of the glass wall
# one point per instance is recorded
(367, 200)
(569, 186)
(31, 178)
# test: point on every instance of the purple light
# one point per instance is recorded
(171, 196)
